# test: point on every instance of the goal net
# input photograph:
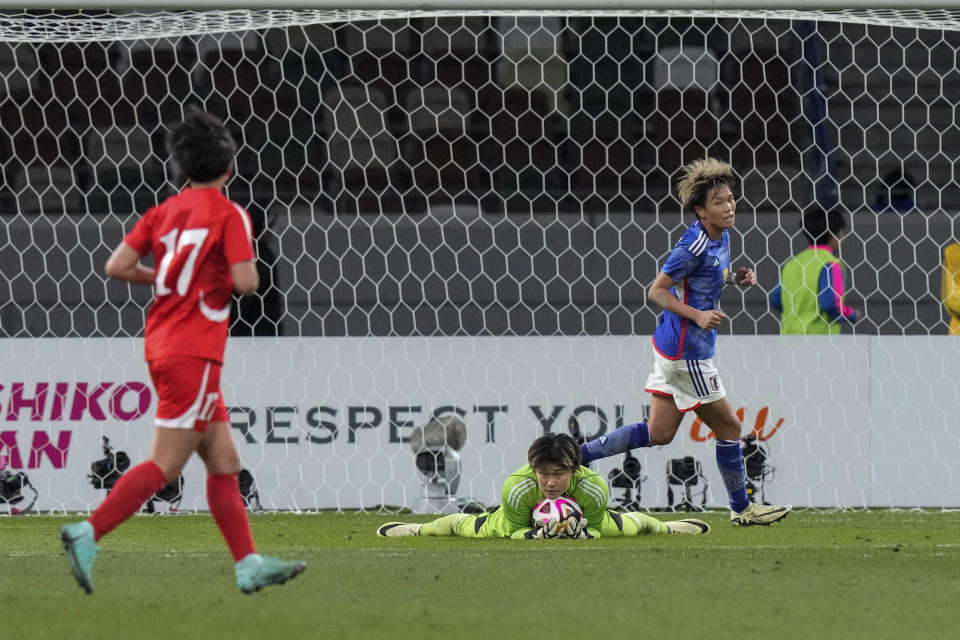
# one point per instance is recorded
(457, 216)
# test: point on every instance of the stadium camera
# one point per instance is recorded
(629, 478)
(435, 447)
(108, 469)
(248, 490)
(12, 485)
(758, 471)
(172, 494)
(574, 426)
(686, 472)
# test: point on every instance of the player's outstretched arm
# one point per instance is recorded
(124, 264)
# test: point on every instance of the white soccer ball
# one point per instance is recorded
(559, 508)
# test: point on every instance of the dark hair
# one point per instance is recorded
(819, 225)
(554, 448)
(202, 146)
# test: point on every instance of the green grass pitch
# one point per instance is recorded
(862, 574)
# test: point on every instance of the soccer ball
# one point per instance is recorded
(559, 508)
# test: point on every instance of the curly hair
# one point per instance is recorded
(202, 146)
(699, 177)
(554, 448)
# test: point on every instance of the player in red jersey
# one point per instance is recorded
(202, 248)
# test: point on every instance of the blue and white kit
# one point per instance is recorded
(683, 365)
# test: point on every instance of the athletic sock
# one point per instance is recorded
(444, 526)
(230, 514)
(645, 524)
(629, 436)
(730, 463)
(127, 496)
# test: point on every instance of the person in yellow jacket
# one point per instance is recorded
(950, 286)
(809, 296)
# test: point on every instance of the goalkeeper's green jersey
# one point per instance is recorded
(521, 493)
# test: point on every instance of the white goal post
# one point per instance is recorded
(458, 208)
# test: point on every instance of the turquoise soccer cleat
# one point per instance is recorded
(81, 548)
(256, 572)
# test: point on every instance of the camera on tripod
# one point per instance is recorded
(629, 478)
(108, 469)
(686, 472)
(12, 486)
(573, 425)
(758, 471)
(435, 448)
(171, 493)
(248, 490)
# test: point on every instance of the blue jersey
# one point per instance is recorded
(699, 266)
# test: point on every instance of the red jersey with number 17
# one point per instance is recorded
(194, 236)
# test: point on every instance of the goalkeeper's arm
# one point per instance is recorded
(577, 529)
(519, 495)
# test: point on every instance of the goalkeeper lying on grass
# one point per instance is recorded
(553, 470)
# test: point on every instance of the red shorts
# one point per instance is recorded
(188, 392)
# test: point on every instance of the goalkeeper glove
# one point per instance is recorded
(552, 528)
(576, 528)
(534, 534)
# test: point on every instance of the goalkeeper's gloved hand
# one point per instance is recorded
(535, 533)
(576, 528)
(553, 528)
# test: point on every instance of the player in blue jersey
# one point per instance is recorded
(684, 376)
